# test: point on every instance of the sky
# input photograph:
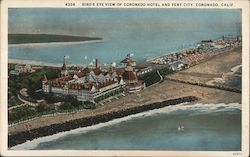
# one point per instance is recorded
(114, 22)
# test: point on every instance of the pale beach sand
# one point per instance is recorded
(213, 70)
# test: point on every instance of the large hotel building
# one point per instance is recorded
(88, 84)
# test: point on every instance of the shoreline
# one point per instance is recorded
(31, 145)
(21, 137)
(56, 43)
(32, 62)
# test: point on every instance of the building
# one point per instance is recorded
(132, 83)
(85, 85)
(21, 69)
(142, 70)
(88, 84)
(14, 72)
(24, 68)
(176, 65)
(130, 59)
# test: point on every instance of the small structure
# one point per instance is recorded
(24, 68)
(176, 65)
(130, 59)
(14, 72)
(45, 85)
(23, 92)
(143, 70)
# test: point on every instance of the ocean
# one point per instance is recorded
(205, 127)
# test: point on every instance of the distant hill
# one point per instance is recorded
(45, 38)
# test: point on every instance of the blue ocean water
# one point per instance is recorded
(143, 32)
(206, 127)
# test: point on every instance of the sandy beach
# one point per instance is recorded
(166, 90)
(216, 69)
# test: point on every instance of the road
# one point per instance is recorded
(27, 102)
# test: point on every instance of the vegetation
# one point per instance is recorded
(13, 100)
(45, 38)
(150, 78)
(28, 112)
(43, 106)
(52, 98)
(153, 77)
(165, 71)
(88, 105)
(66, 106)
(109, 95)
(21, 113)
(31, 81)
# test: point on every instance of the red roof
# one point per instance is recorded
(86, 70)
(127, 59)
(134, 84)
(80, 74)
(130, 75)
(97, 71)
(83, 72)
(119, 71)
(63, 78)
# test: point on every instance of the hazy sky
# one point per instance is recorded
(110, 22)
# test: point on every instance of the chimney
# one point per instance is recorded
(96, 63)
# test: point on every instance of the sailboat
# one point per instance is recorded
(181, 128)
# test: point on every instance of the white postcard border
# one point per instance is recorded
(243, 4)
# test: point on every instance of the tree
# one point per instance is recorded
(66, 106)
(72, 100)
(42, 106)
(88, 105)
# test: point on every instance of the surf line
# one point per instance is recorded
(21, 137)
(197, 108)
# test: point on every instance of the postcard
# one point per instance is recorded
(124, 78)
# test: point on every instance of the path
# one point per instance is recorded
(10, 108)
(159, 75)
(27, 102)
